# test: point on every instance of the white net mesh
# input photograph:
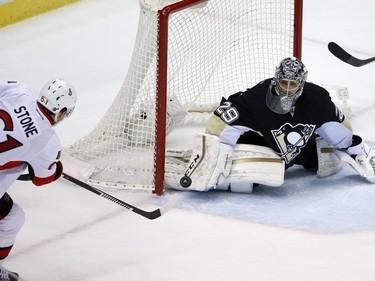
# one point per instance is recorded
(214, 50)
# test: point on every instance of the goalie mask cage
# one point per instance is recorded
(192, 51)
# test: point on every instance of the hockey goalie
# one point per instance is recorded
(255, 135)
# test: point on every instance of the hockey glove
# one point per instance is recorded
(360, 157)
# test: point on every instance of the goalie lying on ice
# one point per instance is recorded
(255, 135)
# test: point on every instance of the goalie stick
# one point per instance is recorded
(343, 55)
(149, 215)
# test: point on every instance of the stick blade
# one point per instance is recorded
(169, 205)
(339, 52)
(158, 212)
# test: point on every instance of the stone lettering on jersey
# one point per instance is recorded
(291, 139)
(26, 121)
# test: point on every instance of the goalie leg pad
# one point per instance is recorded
(254, 164)
(175, 167)
(209, 164)
(328, 162)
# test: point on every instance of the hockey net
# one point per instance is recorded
(193, 52)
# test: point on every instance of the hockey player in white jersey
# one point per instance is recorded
(28, 140)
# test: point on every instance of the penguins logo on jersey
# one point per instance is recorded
(291, 139)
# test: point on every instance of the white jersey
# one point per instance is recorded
(26, 135)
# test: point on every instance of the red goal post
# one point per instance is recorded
(190, 51)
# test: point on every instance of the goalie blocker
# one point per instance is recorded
(214, 165)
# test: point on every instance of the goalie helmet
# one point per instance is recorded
(59, 98)
(287, 85)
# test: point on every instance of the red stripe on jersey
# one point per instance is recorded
(4, 252)
(44, 111)
(42, 181)
(11, 164)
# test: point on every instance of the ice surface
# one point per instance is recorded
(309, 229)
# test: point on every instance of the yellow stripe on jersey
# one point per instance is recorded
(12, 11)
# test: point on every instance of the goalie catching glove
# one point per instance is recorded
(360, 157)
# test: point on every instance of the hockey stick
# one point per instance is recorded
(149, 215)
(341, 54)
